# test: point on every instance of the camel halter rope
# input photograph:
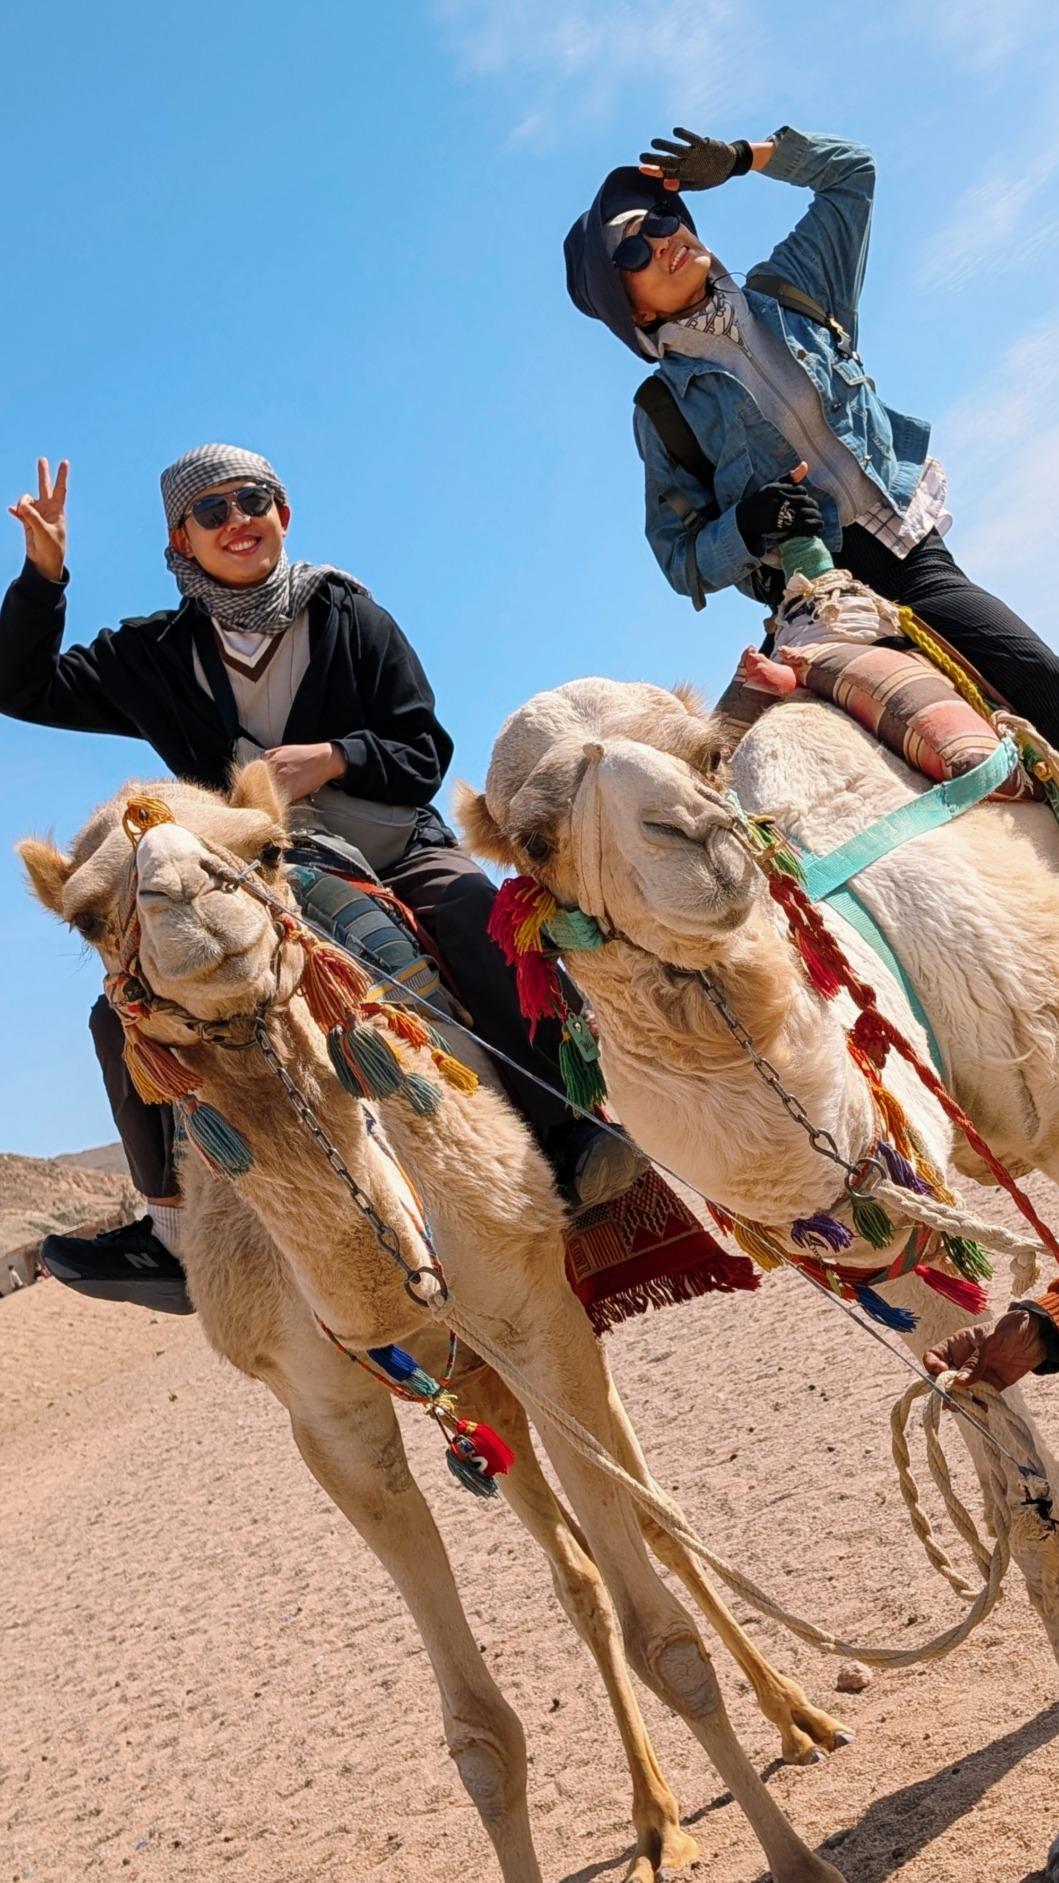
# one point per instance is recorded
(479, 1469)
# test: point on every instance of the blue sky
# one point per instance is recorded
(333, 233)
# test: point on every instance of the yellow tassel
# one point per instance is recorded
(142, 814)
(922, 638)
(157, 1074)
(756, 1241)
(455, 1073)
(528, 936)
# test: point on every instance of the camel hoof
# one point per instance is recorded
(844, 1738)
(814, 1756)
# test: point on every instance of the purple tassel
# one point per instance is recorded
(901, 1170)
(820, 1232)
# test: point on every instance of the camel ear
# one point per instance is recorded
(690, 697)
(479, 828)
(254, 788)
(48, 871)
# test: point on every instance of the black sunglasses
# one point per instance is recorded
(634, 251)
(211, 513)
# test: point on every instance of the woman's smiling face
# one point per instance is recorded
(675, 279)
(244, 551)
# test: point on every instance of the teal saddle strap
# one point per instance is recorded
(827, 877)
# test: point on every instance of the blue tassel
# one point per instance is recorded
(224, 1148)
(400, 1367)
(901, 1170)
(820, 1232)
(900, 1319)
(422, 1094)
(471, 1479)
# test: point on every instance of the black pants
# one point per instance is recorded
(1007, 653)
(452, 898)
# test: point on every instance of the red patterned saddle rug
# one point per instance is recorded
(647, 1250)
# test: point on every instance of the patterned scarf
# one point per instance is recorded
(269, 606)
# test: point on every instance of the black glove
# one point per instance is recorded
(780, 510)
(699, 163)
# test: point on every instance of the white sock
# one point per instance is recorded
(168, 1221)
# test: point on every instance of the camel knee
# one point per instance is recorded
(489, 1752)
(678, 1669)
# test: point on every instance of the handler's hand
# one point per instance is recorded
(43, 518)
(697, 163)
(302, 769)
(996, 1356)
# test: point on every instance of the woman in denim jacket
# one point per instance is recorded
(764, 386)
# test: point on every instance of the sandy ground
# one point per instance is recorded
(206, 1676)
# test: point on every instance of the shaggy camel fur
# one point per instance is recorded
(284, 1244)
(613, 797)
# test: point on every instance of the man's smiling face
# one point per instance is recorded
(244, 551)
(675, 279)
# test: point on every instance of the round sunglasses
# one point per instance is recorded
(211, 513)
(634, 251)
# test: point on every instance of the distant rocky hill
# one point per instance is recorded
(88, 1189)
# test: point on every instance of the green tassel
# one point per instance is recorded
(374, 1058)
(968, 1258)
(579, 1067)
(422, 1094)
(871, 1221)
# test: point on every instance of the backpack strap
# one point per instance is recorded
(799, 302)
(658, 402)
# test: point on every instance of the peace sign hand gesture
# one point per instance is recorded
(43, 518)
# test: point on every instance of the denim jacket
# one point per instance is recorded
(824, 256)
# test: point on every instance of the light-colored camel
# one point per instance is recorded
(613, 796)
(284, 1244)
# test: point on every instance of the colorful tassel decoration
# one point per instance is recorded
(219, 1144)
(365, 1062)
(155, 1071)
(579, 1067)
(454, 1072)
(400, 1367)
(572, 931)
(900, 1169)
(969, 1296)
(477, 1456)
(820, 1232)
(333, 985)
(422, 1094)
(871, 1221)
(756, 1242)
(900, 1319)
(968, 1258)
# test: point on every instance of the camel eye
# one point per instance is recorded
(89, 924)
(537, 847)
(271, 856)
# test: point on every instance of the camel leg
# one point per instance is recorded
(346, 1430)
(803, 1728)
(562, 1361)
(660, 1842)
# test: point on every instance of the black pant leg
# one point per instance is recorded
(453, 899)
(146, 1131)
(1005, 650)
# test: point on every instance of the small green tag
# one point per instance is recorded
(581, 1035)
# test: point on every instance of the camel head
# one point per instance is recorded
(209, 949)
(611, 795)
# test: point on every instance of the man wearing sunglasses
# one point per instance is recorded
(755, 381)
(295, 661)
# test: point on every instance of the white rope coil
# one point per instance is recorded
(664, 1509)
(1023, 1249)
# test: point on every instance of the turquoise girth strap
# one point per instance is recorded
(827, 877)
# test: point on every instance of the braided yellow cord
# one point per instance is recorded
(142, 814)
(935, 653)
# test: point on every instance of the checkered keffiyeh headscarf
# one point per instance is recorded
(269, 606)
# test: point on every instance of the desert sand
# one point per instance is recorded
(206, 1676)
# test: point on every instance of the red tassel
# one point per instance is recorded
(967, 1295)
(332, 984)
(871, 1035)
(515, 924)
(490, 1454)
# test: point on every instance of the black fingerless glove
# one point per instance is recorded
(698, 163)
(780, 510)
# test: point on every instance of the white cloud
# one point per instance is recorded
(577, 55)
(1000, 445)
(1000, 216)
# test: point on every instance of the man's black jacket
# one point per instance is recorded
(364, 689)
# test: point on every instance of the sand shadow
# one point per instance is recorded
(897, 1827)
(905, 1821)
